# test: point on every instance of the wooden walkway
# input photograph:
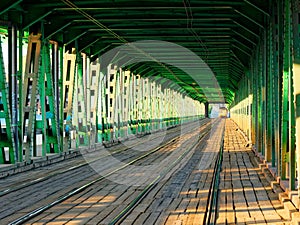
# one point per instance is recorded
(245, 196)
(180, 198)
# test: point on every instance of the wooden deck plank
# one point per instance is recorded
(244, 190)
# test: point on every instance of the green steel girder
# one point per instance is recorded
(275, 87)
(257, 82)
(88, 45)
(248, 17)
(134, 6)
(58, 30)
(29, 100)
(216, 25)
(181, 80)
(296, 86)
(67, 94)
(246, 29)
(285, 90)
(279, 25)
(6, 138)
(48, 107)
(288, 65)
(244, 37)
(75, 38)
(257, 8)
(79, 103)
(9, 6)
(271, 156)
(271, 85)
(254, 103)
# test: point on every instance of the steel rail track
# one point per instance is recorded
(210, 215)
(64, 197)
(143, 194)
(44, 178)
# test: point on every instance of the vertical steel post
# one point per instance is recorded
(126, 102)
(95, 101)
(276, 84)
(56, 73)
(285, 91)
(49, 124)
(42, 97)
(272, 79)
(104, 104)
(257, 78)
(82, 118)
(61, 96)
(68, 78)
(296, 79)
(6, 138)
(20, 81)
(13, 84)
(74, 136)
(100, 105)
(206, 104)
(296, 85)
(117, 105)
(263, 96)
(160, 96)
(280, 45)
(111, 100)
(87, 99)
(139, 91)
(269, 111)
(249, 106)
(253, 108)
(130, 105)
(30, 87)
(291, 136)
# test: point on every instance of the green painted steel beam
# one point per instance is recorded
(105, 4)
(60, 29)
(7, 8)
(270, 109)
(246, 29)
(76, 37)
(132, 18)
(30, 93)
(48, 107)
(6, 137)
(244, 37)
(241, 50)
(82, 126)
(248, 18)
(257, 8)
(138, 8)
(291, 125)
(38, 19)
(235, 31)
(285, 92)
(20, 88)
(296, 84)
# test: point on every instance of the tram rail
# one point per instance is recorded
(114, 149)
(83, 187)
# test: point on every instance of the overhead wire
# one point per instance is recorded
(190, 19)
(92, 19)
(102, 26)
